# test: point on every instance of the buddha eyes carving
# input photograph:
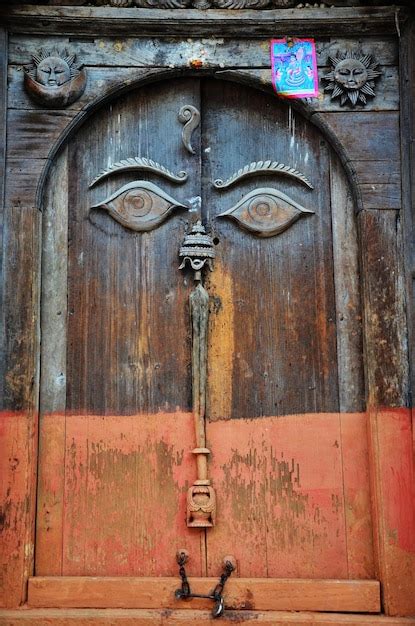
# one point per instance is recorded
(266, 212)
(139, 206)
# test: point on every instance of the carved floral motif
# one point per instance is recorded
(352, 77)
(54, 79)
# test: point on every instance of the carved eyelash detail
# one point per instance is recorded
(266, 212)
(140, 164)
(262, 167)
(139, 206)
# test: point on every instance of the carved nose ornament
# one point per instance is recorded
(198, 251)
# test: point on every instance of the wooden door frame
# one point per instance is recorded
(383, 273)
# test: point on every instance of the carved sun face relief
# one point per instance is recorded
(54, 80)
(352, 78)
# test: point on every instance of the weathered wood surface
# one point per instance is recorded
(105, 377)
(294, 496)
(49, 529)
(108, 52)
(241, 593)
(384, 309)
(126, 287)
(347, 292)
(259, 286)
(85, 20)
(148, 617)
(18, 415)
(407, 76)
(390, 430)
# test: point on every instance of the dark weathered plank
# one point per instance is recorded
(347, 290)
(387, 99)
(273, 337)
(133, 21)
(128, 284)
(215, 51)
(35, 132)
(366, 137)
(18, 415)
(384, 309)
(23, 180)
(407, 75)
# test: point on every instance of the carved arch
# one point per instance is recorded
(239, 76)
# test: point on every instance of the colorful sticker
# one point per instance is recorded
(294, 67)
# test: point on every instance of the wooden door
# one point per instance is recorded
(285, 406)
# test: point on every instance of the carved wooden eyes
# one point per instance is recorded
(266, 212)
(140, 205)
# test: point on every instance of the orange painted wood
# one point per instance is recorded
(393, 484)
(358, 514)
(143, 617)
(18, 401)
(292, 501)
(126, 479)
(17, 443)
(51, 478)
(241, 593)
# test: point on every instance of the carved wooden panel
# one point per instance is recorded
(124, 423)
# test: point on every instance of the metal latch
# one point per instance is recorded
(184, 593)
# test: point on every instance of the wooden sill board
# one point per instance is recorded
(264, 594)
(145, 617)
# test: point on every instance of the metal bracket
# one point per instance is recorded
(185, 593)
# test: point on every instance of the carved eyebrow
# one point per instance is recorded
(140, 164)
(262, 167)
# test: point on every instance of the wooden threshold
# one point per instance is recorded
(260, 594)
(145, 617)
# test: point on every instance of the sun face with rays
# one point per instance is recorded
(52, 69)
(352, 77)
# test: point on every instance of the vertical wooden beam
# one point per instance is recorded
(49, 527)
(18, 379)
(407, 91)
(389, 421)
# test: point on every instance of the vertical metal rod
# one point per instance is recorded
(198, 250)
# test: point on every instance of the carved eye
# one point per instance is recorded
(140, 205)
(266, 212)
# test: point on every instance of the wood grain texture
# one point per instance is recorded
(367, 137)
(148, 617)
(281, 293)
(35, 132)
(111, 21)
(127, 285)
(387, 367)
(293, 501)
(111, 52)
(390, 431)
(386, 100)
(258, 594)
(357, 495)
(393, 493)
(22, 180)
(347, 292)
(18, 445)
